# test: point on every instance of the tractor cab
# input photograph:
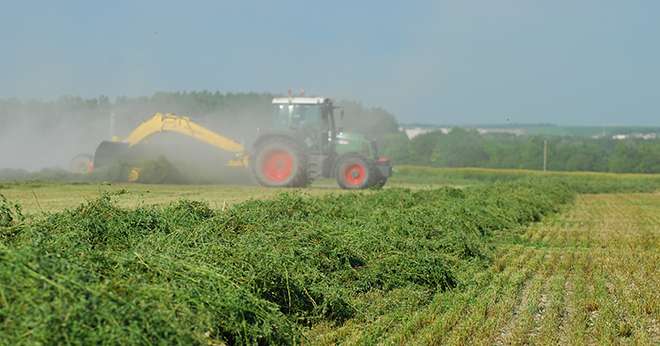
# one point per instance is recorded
(311, 118)
(304, 144)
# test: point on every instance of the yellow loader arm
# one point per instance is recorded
(180, 124)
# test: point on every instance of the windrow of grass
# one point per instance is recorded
(580, 182)
(157, 171)
(258, 272)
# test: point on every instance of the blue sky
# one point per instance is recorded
(557, 61)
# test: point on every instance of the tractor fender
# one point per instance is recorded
(275, 135)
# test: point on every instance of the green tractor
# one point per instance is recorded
(304, 144)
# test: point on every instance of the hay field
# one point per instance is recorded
(440, 256)
(588, 276)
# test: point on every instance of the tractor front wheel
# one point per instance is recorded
(354, 172)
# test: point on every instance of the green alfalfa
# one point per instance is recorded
(10, 213)
(256, 273)
(11, 219)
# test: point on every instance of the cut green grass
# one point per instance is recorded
(262, 271)
(242, 264)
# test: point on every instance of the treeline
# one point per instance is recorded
(228, 112)
(36, 134)
(464, 148)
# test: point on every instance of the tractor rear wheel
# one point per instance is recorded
(354, 172)
(279, 163)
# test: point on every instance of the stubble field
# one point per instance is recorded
(587, 276)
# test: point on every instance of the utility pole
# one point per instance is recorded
(112, 125)
(545, 155)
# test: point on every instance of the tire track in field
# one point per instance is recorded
(598, 283)
(601, 293)
(459, 328)
(588, 276)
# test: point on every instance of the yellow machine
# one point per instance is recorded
(181, 124)
(108, 151)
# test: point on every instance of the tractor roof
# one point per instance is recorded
(300, 100)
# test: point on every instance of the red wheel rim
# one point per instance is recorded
(355, 174)
(82, 166)
(277, 166)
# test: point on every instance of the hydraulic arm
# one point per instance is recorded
(180, 124)
(108, 152)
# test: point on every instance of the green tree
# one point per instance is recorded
(625, 158)
(396, 146)
(460, 148)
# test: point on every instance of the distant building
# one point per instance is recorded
(510, 131)
(413, 132)
(645, 136)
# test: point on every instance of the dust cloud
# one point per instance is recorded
(34, 139)
(38, 135)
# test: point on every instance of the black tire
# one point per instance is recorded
(279, 162)
(379, 183)
(110, 153)
(379, 179)
(354, 173)
(82, 164)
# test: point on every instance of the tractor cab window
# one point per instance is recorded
(298, 116)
